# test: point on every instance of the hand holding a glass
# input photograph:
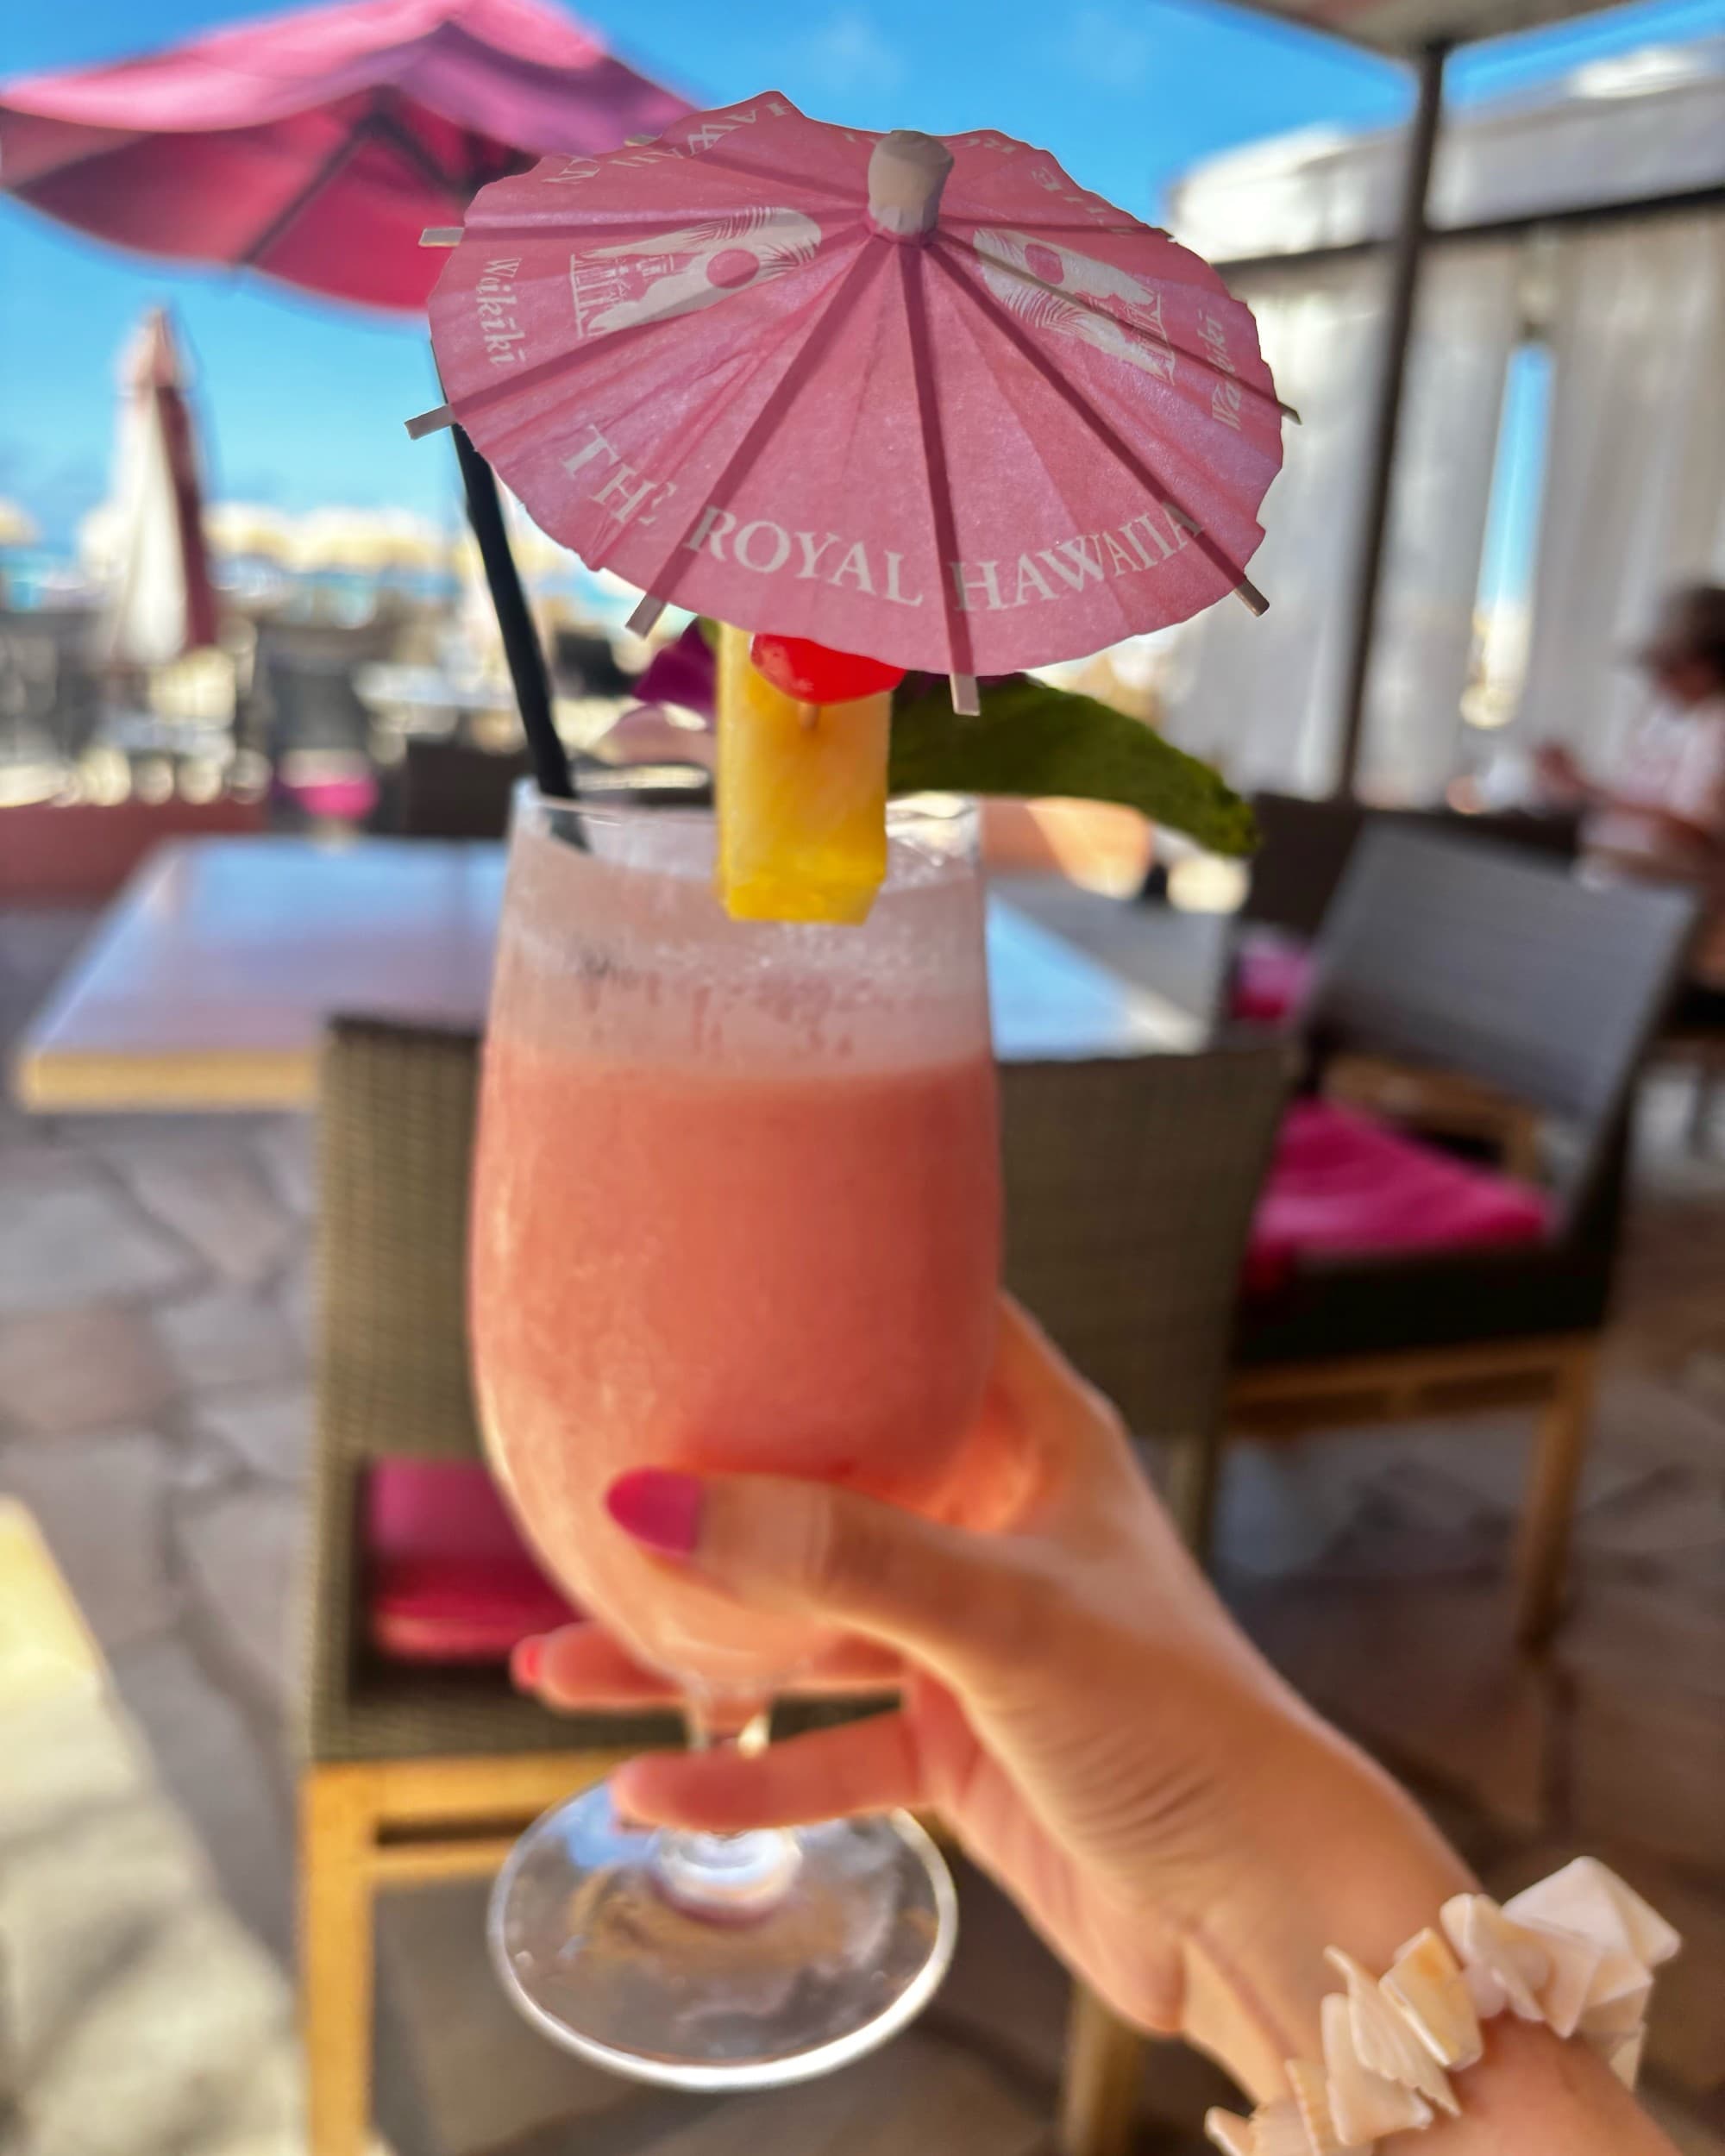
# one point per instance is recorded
(1076, 1704)
(1082, 1712)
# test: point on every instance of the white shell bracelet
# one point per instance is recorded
(1577, 1952)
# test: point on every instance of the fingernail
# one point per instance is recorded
(660, 1509)
(526, 1663)
(621, 1809)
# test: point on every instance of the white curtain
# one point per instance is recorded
(1635, 489)
(1264, 698)
(1468, 322)
(1258, 697)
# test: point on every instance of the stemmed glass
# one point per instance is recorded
(736, 1207)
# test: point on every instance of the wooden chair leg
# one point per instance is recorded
(1701, 1105)
(1195, 1466)
(335, 1962)
(1099, 2095)
(1560, 1448)
(1521, 1149)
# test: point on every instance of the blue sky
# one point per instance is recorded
(302, 404)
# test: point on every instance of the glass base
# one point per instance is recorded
(721, 1962)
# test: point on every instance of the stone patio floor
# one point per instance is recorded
(154, 1306)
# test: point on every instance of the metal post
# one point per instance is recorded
(1405, 261)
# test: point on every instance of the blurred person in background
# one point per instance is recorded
(1658, 813)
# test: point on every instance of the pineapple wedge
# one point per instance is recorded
(801, 798)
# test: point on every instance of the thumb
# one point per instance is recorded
(964, 1605)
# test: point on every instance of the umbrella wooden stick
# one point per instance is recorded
(963, 676)
(520, 639)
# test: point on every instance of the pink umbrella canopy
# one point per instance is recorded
(933, 402)
(315, 147)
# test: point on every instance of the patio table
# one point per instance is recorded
(208, 982)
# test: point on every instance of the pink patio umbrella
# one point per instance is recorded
(315, 146)
(929, 401)
(162, 602)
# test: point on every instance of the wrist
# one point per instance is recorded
(1336, 1856)
(1530, 2091)
(1488, 2032)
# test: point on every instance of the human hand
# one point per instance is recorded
(1557, 770)
(1078, 1706)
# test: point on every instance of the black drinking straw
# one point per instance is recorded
(520, 639)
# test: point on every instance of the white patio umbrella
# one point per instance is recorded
(17, 526)
(161, 603)
(251, 530)
(368, 542)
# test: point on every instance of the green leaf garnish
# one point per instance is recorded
(709, 629)
(1033, 740)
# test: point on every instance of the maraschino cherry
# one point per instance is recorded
(799, 667)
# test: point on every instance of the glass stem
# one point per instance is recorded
(727, 1877)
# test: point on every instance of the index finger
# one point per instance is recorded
(1064, 1426)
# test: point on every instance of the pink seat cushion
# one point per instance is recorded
(343, 801)
(1342, 1186)
(447, 1577)
(1270, 977)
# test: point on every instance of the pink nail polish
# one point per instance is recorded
(660, 1509)
(526, 1665)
